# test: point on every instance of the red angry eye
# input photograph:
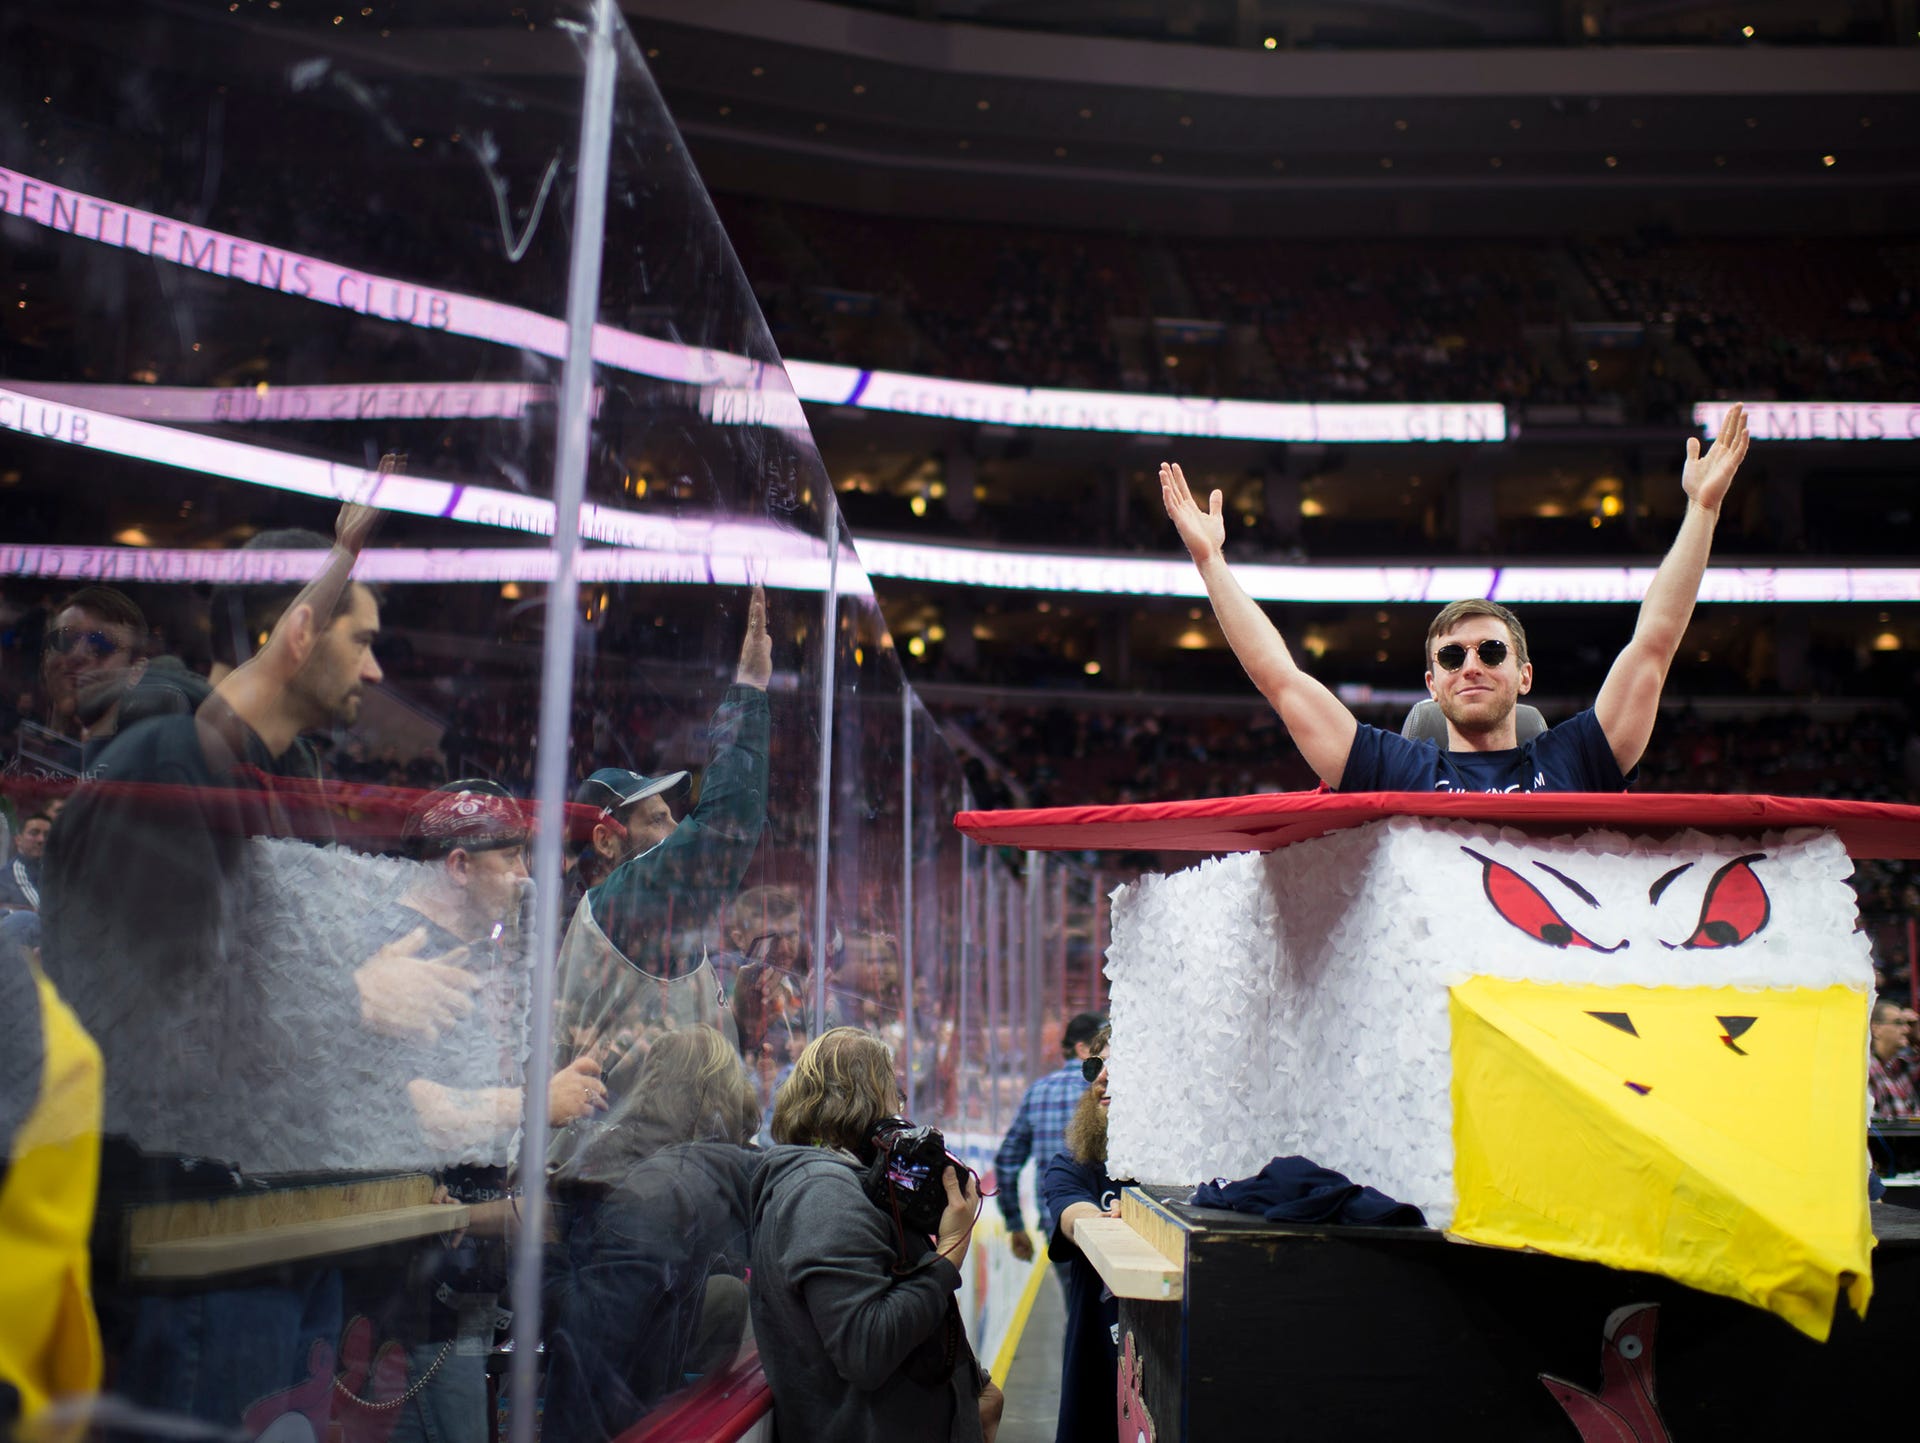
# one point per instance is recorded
(1734, 908)
(1523, 904)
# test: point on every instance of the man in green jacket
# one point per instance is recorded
(624, 975)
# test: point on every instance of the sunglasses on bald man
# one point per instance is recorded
(1453, 655)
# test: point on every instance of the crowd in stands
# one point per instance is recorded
(1644, 324)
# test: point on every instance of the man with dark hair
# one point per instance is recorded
(1040, 1129)
(218, 1045)
(1477, 666)
(95, 650)
(1075, 1186)
(240, 617)
(20, 878)
(1890, 1060)
(623, 973)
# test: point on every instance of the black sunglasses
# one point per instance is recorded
(1092, 1067)
(64, 639)
(1453, 655)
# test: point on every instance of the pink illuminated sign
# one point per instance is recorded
(1368, 585)
(735, 389)
(1819, 420)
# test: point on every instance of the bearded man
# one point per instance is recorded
(1074, 1187)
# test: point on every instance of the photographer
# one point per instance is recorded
(859, 1331)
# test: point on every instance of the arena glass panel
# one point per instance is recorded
(866, 978)
(259, 265)
(933, 887)
(319, 896)
(686, 963)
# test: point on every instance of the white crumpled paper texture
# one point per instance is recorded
(302, 1085)
(1296, 1002)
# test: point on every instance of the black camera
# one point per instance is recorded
(904, 1177)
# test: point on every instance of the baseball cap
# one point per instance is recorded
(471, 815)
(1083, 1028)
(612, 789)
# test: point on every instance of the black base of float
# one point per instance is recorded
(1396, 1333)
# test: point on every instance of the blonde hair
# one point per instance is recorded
(841, 1086)
(692, 1088)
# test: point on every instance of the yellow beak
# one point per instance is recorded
(1713, 1135)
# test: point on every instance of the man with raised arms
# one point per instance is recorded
(1477, 666)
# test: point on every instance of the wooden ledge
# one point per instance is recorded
(206, 1257)
(1129, 1265)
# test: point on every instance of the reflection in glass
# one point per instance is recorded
(279, 412)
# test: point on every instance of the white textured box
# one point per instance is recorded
(1296, 1001)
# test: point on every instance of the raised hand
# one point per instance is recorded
(756, 652)
(1706, 478)
(353, 528)
(1205, 532)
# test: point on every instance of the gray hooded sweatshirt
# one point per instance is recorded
(842, 1338)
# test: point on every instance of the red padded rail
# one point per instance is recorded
(1275, 819)
(720, 1408)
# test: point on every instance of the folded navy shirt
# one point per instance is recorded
(1299, 1190)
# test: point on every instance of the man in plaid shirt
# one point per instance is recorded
(1890, 1068)
(1040, 1129)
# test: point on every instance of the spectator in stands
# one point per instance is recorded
(859, 1331)
(646, 1283)
(20, 878)
(95, 650)
(766, 967)
(92, 652)
(1477, 666)
(623, 977)
(1075, 1187)
(1039, 1131)
(1892, 1059)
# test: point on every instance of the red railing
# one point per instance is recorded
(720, 1408)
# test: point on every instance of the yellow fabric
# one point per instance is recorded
(1742, 1172)
(49, 1338)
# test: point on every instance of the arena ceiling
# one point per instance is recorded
(846, 106)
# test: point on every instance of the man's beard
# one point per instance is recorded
(1087, 1128)
(1470, 726)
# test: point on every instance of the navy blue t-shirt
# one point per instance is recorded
(1571, 757)
(1090, 1359)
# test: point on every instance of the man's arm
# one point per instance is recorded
(352, 529)
(1064, 1190)
(702, 863)
(1014, 1151)
(1316, 719)
(1630, 698)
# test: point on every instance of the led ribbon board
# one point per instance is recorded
(718, 549)
(1818, 420)
(735, 389)
(746, 552)
(1139, 415)
(725, 550)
